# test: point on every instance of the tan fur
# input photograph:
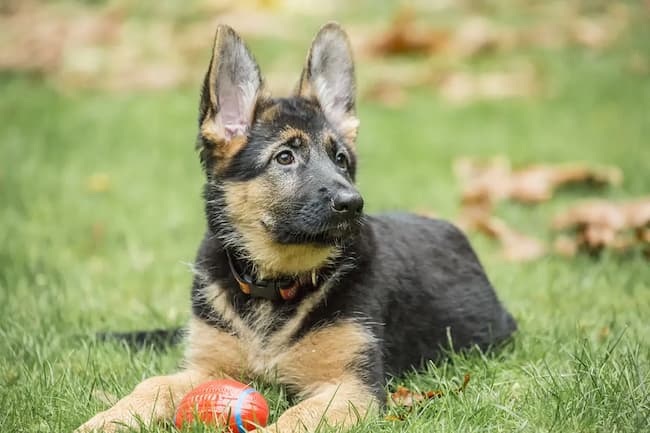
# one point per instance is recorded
(289, 132)
(261, 352)
(215, 352)
(320, 367)
(341, 403)
(246, 205)
(328, 352)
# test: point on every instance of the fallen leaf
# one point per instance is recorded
(463, 87)
(601, 31)
(477, 35)
(515, 246)
(466, 379)
(599, 224)
(565, 246)
(404, 36)
(590, 33)
(404, 397)
(494, 180)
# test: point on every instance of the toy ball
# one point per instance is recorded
(224, 402)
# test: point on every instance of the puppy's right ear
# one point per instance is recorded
(231, 89)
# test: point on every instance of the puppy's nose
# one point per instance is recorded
(347, 202)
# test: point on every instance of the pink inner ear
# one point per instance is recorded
(234, 130)
(236, 103)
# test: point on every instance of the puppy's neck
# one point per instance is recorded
(273, 260)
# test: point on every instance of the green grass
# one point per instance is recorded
(74, 262)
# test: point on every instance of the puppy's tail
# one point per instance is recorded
(157, 338)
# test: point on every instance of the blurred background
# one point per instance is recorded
(99, 179)
(501, 116)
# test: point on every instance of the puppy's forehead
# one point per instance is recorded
(295, 113)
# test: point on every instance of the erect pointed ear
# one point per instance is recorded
(230, 93)
(328, 77)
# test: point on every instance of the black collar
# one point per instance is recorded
(282, 289)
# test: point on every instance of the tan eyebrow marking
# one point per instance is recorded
(290, 133)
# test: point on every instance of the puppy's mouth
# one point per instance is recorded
(326, 235)
(337, 232)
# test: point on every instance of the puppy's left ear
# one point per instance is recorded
(328, 77)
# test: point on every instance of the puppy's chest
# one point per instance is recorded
(272, 350)
(260, 338)
(265, 335)
(265, 332)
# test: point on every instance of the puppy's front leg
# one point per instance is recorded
(211, 353)
(152, 400)
(342, 403)
(337, 370)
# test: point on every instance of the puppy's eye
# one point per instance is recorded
(341, 160)
(285, 157)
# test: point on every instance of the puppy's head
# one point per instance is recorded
(281, 170)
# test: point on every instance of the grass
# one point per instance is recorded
(74, 261)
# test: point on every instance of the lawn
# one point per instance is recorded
(101, 215)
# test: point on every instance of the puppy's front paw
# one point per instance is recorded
(106, 422)
(287, 423)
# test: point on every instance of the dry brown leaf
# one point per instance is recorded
(565, 246)
(598, 32)
(406, 398)
(599, 224)
(108, 48)
(477, 35)
(463, 87)
(494, 180)
(516, 247)
(405, 37)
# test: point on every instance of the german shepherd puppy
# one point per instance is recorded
(293, 282)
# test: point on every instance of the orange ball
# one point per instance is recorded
(224, 402)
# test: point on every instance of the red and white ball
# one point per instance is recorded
(224, 402)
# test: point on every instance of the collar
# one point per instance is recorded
(284, 289)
